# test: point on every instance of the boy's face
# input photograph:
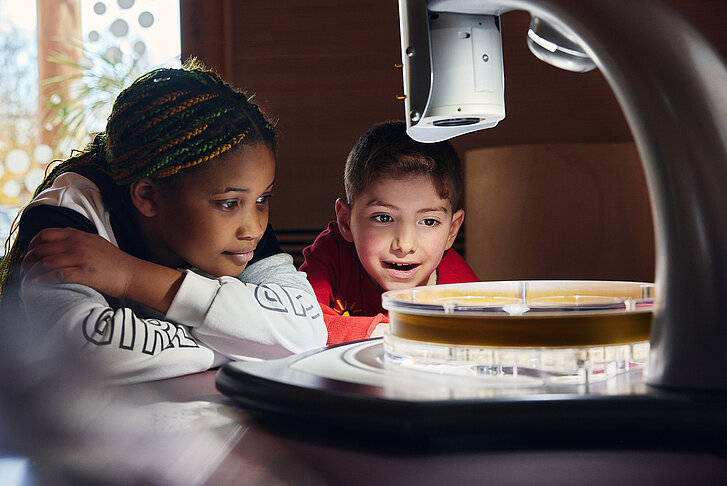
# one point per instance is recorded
(213, 218)
(401, 229)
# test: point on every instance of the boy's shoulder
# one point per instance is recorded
(329, 246)
(454, 269)
(330, 259)
(331, 235)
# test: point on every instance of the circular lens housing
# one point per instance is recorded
(456, 122)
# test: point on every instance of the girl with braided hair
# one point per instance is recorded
(150, 253)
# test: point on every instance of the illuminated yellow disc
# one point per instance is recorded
(553, 313)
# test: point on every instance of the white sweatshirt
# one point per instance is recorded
(268, 311)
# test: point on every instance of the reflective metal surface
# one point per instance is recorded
(549, 45)
(670, 84)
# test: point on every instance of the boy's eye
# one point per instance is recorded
(383, 218)
(430, 222)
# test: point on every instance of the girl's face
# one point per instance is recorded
(401, 229)
(213, 217)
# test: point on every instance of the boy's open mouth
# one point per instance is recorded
(401, 266)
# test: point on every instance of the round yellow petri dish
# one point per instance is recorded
(536, 313)
(521, 333)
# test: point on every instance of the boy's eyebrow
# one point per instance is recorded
(376, 202)
(429, 210)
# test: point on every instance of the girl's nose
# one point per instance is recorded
(251, 225)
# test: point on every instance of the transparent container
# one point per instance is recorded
(538, 332)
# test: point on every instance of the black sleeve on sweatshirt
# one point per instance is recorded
(41, 217)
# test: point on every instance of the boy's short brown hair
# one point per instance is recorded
(386, 150)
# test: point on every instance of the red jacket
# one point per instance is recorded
(345, 291)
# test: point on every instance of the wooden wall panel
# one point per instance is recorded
(558, 211)
(325, 69)
(205, 32)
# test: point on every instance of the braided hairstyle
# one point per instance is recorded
(166, 121)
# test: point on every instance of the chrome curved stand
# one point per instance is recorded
(672, 87)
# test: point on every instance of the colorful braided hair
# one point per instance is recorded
(166, 121)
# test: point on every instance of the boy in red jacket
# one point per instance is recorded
(395, 230)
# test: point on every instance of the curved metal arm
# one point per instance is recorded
(672, 87)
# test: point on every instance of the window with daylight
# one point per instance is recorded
(62, 63)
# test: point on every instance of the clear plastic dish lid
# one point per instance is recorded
(520, 298)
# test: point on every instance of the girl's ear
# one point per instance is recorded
(343, 217)
(145, 196)
(457, 220)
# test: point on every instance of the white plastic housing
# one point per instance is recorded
(467, 87)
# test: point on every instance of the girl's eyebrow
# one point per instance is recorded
(242, 189)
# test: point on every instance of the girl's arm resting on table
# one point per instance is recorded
(75, 321)
(270, 306)
(270, 316)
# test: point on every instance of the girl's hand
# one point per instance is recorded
(67, 255)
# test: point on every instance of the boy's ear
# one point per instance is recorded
(457, 220)
(145, 196)
(343, 217)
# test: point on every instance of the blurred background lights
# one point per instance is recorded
(43, 153)
(33, 178)
(146, 19)
(114, 54)
(22, 59)
(119, 28)
(12, 189)
(126, 23)
(140, 47)
(117, 35)
(17, 161)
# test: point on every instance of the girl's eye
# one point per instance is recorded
(228, 204)
(383, 218)
(263, 199)
(430, 222)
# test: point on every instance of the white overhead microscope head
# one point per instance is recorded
(672, 87)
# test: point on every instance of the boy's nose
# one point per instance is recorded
(404, 241)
